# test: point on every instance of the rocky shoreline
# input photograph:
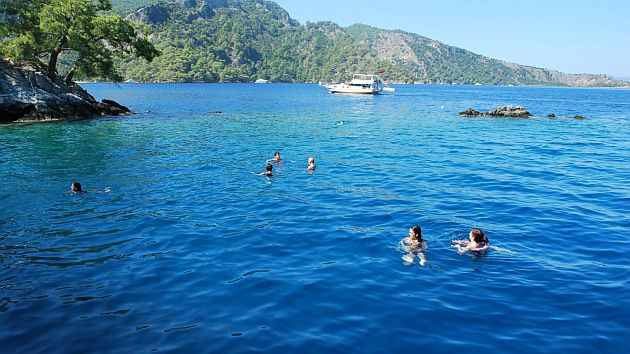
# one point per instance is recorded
(27, 94)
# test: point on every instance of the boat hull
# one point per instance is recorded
(349, 90)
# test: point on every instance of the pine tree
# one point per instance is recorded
(41, 30)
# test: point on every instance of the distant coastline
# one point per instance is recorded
(315, 83)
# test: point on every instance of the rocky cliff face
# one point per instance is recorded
(27, 94)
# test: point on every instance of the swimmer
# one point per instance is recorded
(277, 159)
(311, 164)
(414, 244)
(75, 187)
(478, 242)
(268, 172)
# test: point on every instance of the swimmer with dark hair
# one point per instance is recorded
(414, 244)
(75, 187)
(268, 172)
(478, 242)
(277, 159)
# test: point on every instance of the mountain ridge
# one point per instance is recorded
(242, 40)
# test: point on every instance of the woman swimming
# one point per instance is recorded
(414, 244)
(478, 242)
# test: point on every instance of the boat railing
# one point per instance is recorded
(366, 77)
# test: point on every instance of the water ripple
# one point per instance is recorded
(177, 246)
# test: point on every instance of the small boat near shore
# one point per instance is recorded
(360, 84)
(261, 81)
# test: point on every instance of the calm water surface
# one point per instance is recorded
(179, 247)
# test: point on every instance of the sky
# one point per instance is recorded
(572, 36)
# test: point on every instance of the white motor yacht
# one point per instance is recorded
(360, 84)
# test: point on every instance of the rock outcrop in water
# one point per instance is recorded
(27, 94)
(504, 111)
(470, 112)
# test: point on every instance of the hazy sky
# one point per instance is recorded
(574, 36)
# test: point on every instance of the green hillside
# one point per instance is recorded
(242, 40)
(125, 6)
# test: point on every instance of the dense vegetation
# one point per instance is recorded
(40, 31)
(242, 40)
(122, 7)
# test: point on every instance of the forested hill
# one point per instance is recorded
(242, 40)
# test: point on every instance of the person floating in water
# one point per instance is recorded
(268, 172)
(414, 244)
(311, 164)
(478, 242)
(75, 187)
(277, 159)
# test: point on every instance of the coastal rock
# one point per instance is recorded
(551, 115)
(509, 111)
(470, 112)
(503, 111)
(27, 94)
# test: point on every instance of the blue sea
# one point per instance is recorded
(178, 246)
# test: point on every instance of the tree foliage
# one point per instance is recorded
(42, 30)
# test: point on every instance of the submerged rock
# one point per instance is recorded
(579, 117)
(27, 94)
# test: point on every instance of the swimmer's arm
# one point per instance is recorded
(459, 242)
(461, 249)
(480, 248)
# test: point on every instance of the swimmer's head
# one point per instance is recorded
(276, 156)
(416, 232)
(76, 187)
(478, 236)
(269, 167)
(311, 160)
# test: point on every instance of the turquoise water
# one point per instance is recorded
(179, 247)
